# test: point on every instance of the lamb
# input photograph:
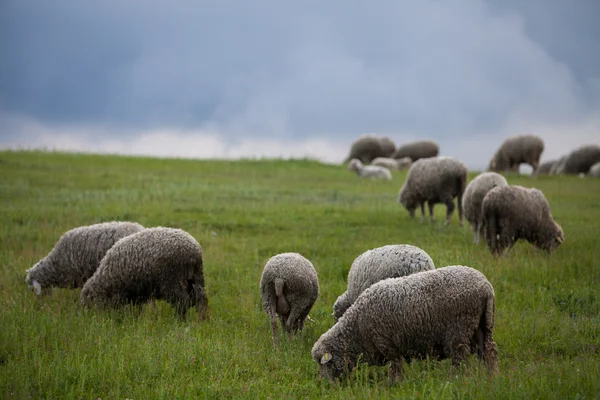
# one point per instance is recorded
(289, 287)
(391, 163)
(517, 150)
(580, 160)
(434, 180)
(473, 197)
(514, 212)
(76, 256)
(595, 170)
(153, 264)
(417, 150)
(369, 171)
(372, 266)
(442, 313)
(368, 147)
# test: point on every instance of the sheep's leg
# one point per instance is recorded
(422, 212)
(449, 209)
(274, 328)
(396, 372)
(293, 323)
(178, 297)
(430, 204)
(476, 232)
(490, 355)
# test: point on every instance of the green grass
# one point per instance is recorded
(242, 213)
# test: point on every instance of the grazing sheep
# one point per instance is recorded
(473, 197)
(511, 213)
(289, 287)
(76, 256)
(558, 165)
(545, 168)
(369, 171)
(367, 147)
(595, 170)
(517, 150)
(580, 160)
(153, 264)
(391, 163)
(434, 180)
(443, 313)
(372, 266)
(417, 150)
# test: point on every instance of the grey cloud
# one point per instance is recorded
(285, 70)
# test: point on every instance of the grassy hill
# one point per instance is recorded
(242, 213)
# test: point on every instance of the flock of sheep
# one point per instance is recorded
(397, 307)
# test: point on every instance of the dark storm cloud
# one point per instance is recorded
(273, 69)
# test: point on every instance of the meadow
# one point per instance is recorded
(242, 213)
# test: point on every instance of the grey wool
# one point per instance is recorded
(545, 168)
(369, 171)
(368, 147)
(153, 264)
(514, 212)
(391, 261)
(77, 255)
(580, 160)
(391, 163)
(595, 170)
(417, 150)
(442, 313)
(289, 287)
(434, 180)
(473, 198)
(517, 150)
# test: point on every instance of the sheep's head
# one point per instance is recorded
(33, 284)
(340, 306)
(559, 236)
(355, 165)
(332, 365)
(407, 201)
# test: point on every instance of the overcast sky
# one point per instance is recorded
(232, 79)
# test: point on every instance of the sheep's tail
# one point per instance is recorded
(279, 283)
(488, 350)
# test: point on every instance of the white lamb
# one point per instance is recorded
(369, 171)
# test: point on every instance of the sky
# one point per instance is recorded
(231, 79)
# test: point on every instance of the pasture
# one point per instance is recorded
(242, 213)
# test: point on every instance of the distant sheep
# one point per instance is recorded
(391, 163)
(511, 213)
(580, 160)
(369, 171)
(156, 263)
(558, 165)
(595, 170)
(545, 168)
(289, 287)
(372, 266)
(417, 150)
(77, 255)
(368, 147)
(517, 150)
(443, 313)
(473, 197)
(434, 180)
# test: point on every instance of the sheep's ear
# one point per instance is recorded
(326, 358)
(37, 287)
(560, 239)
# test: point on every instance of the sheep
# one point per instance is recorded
(434, 180)
(369, 171)
(517, 150)
(558, 165)
(545, 168)
(595, 170)
(514, 212)
(289, 287)
(473, 197)
(154, 264)
(391, 163)
(367, 147)
(580, 160)
(76, 256)
(442, 313)
(372, 266)
(417, 150)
